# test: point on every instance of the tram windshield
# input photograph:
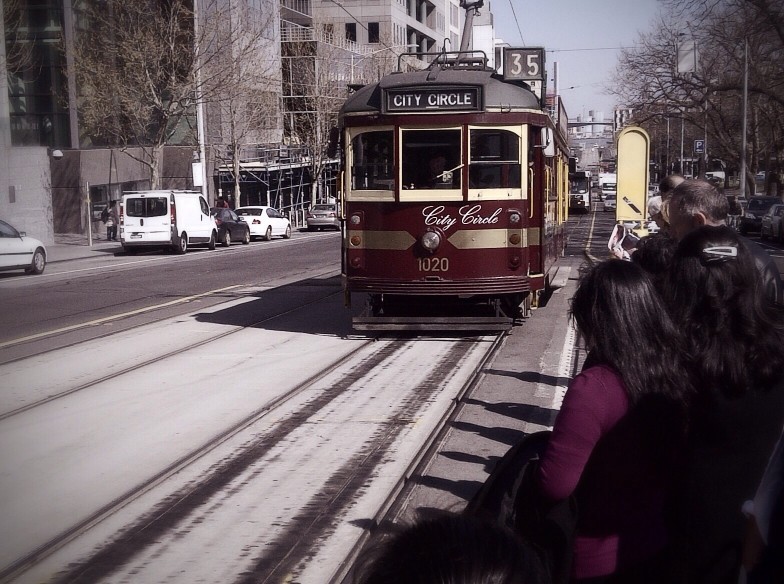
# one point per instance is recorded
(495, 160)
(373, 167)
(431, 159)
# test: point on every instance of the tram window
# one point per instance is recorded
(495, 160)
(431, 159)
(373, 161)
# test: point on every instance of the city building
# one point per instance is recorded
(59, 168)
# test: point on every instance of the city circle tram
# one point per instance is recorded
(454, 195)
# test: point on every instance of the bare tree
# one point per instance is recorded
(144, 65)
(18, 49)
(246, 110)
(709, 99)
(315, 84)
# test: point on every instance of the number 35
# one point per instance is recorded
(531, 63)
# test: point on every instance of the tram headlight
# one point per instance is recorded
(514, 218)
(356, 219)
(430, 240)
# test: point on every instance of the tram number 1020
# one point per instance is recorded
(433, 264)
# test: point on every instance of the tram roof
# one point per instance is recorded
(496, 92)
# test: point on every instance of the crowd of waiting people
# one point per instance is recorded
(668, 441)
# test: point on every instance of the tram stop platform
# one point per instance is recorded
(518, 392)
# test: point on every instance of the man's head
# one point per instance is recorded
(668, 184)
(695, 203)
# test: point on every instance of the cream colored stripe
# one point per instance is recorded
(484, 238)
(395, 240)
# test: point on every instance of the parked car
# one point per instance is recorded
(609, 202)
(20, 252)
(230, 227)
(751, 220)
(321, 216)
(773, 223)
(265, 221)
(165, 218)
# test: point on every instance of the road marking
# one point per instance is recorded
(106, 319)
(589, 241)
(565, 366)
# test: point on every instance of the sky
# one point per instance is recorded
(583, 36)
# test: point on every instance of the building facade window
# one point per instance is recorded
(38, 112)
(373, 34)
(351, 31)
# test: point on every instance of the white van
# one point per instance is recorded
(172, 219)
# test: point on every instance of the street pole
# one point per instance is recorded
(682, 172)
(667, 154)
(743, 122)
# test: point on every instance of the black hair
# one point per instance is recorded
(654, 255)
(626, 325)
(698, 196)
(734, 334)
(451, 549)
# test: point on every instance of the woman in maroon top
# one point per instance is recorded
(621, 422)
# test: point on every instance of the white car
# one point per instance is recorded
(20, 252)
(264, 221)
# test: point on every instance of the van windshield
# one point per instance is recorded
(145, 207)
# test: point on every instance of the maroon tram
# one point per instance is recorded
(454, 195)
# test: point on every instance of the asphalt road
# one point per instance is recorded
(92, 297)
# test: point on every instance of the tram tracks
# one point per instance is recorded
(178, 506)
(101, 379)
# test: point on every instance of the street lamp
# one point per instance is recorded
(370, 54)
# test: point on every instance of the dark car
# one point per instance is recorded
(230, 226)
(752, 218)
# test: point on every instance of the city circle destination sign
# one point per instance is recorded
(447, 99)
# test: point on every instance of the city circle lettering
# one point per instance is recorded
(432, 100)
(438, 216)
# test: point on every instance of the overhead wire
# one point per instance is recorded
(517, 22)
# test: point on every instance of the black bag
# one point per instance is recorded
(511, 498)
(105, 215)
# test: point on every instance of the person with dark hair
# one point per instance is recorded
(695, 203)
(735, 352)
(620, 425)
(669, 183)
(666, 186)
(451, 549)
(113, 219)
(654, 255)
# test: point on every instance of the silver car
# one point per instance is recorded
(323, 216)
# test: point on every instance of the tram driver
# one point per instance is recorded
(438, 174)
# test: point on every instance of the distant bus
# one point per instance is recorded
(580, 191)
(608, 183)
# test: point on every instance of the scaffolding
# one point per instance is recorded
(276, 175)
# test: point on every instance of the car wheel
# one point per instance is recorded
(226, 238)
(311, 228)
(268, 234)
(38, 263)
(182, 244)
(287, 235)
(246, 237)
(213, 237)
